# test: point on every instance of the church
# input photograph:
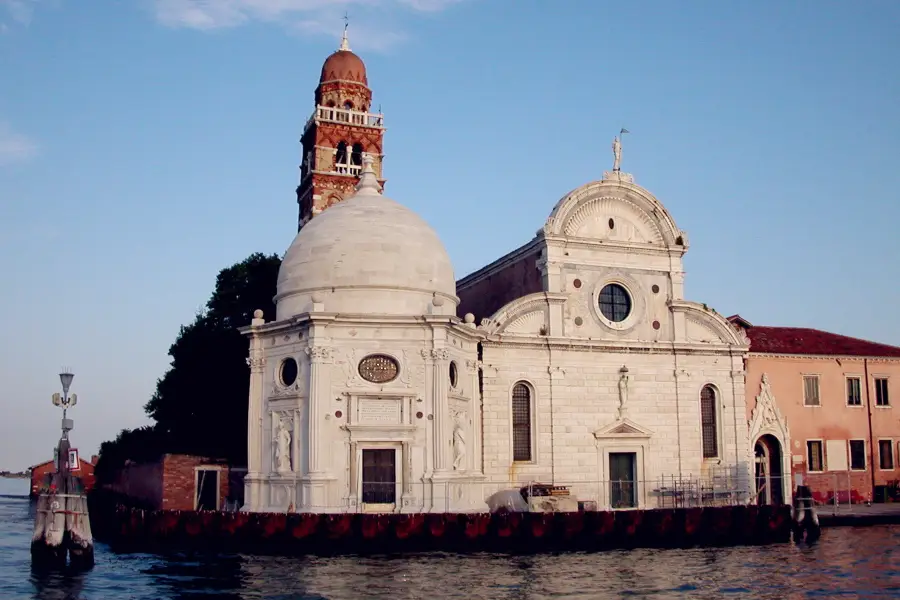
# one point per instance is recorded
(386, 385)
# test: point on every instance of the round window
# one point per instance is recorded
(453, 374)
(379, 368)
(288, 372)
(615, 303)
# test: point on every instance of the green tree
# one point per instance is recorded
(200, 404)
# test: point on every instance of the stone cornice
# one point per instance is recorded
(498, 264)
(823, 357)
(630, 247)
(619, 346)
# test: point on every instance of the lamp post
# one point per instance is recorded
(66, 401)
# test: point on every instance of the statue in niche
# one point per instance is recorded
(459, 446)
(623, 390)
(283, 445)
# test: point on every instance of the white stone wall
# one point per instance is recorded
(577, 394)
(325, 404)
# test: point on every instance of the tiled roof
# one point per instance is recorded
(801, 340)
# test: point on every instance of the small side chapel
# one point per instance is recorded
(385, 385)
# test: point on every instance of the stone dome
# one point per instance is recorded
(366, 255)
(344, 65)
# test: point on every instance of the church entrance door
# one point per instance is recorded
(379, 478)
(622, 475)
(769, 476)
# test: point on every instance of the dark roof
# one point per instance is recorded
(801, 340)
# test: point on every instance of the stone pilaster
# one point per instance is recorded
(440, 358)
(472, 370)
(257, 362)
(318, 390)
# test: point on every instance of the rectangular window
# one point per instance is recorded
(881, 392)
(858, 455)
(815, 458)
(854, 397)
(885, 455)
(811, 390)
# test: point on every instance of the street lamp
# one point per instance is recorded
(66, 401)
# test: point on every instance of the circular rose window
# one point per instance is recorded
(615, 303)
(379, 368)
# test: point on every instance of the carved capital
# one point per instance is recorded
(256, 363)
(471, 366)
(440, 354)
(318, 354)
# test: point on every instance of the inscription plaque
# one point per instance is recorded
(379, 410)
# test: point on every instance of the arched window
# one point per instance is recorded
(521, 422)
(708, 424)
(340, 157)
(348, 105)
(356, 157)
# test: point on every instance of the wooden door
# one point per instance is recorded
(623, 487)
(379, 476)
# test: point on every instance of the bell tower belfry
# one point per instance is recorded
(337, 135)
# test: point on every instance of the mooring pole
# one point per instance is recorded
(62, 526)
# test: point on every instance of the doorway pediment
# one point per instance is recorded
(623, 429)
(766, 418)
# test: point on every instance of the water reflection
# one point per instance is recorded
(860, 563)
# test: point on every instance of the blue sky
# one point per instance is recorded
(145, 145)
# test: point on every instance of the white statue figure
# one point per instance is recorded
(617, 153)
(459, 447)
(283, 454)
(623, 389)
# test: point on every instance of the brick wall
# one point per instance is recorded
(486, 291)
(86, 474)
(179, 472)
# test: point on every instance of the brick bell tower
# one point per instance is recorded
(340, 130)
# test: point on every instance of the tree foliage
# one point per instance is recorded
(200, 404)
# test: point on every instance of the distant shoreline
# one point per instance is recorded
(15, 475)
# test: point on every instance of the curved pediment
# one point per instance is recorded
(704, 325)
(528, 315)
(618, 211)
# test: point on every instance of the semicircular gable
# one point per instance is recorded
(705, 325)
(637, 215)
(528, 315)
(608, 217)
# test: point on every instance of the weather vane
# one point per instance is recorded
(345, 45)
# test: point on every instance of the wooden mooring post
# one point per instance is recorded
(62, 526)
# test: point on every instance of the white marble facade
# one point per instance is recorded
(368, 393)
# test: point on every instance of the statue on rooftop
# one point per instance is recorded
(617, 153)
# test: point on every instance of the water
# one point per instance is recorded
(851, 563)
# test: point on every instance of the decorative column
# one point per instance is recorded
(440, 356)
(318, 355)
(257, 362)
(476, 461)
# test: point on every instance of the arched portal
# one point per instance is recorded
(769, 473)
